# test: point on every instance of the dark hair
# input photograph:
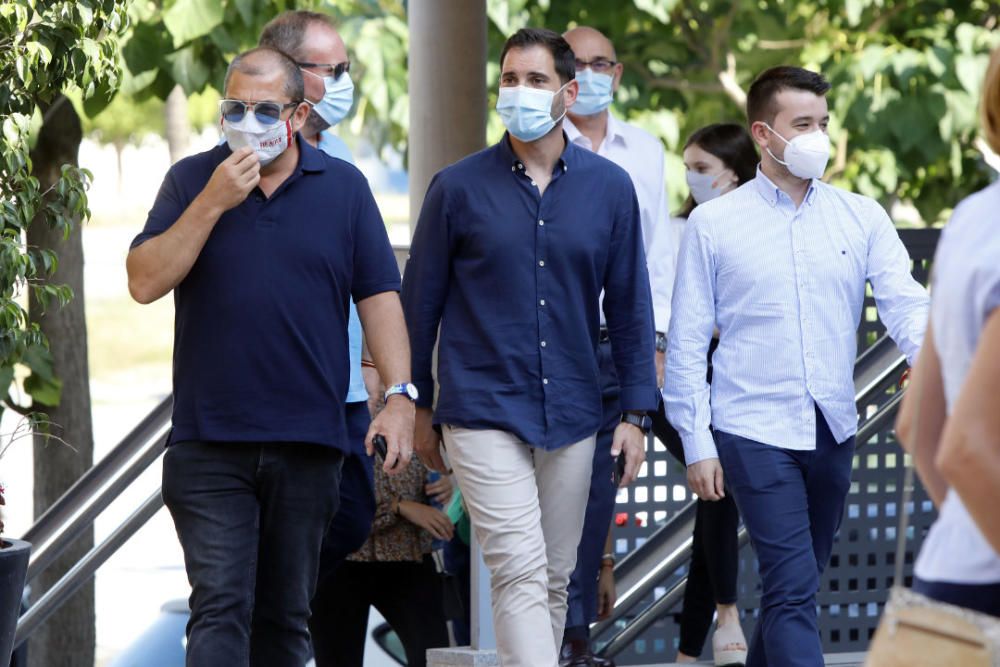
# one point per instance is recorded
(765, 88)
(732, 144)
(562, 54)
(286, 31)
(253, 62)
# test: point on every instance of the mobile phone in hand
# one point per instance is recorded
(381, 447)
(619, 470)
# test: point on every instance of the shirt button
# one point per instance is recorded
(541, 262)
(541, 302)
(541, 223)
(543, 343)
(533, 183)
(545, 380)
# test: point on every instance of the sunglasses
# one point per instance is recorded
(268, 113)
(327, 69)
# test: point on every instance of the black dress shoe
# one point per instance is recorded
(576, 653)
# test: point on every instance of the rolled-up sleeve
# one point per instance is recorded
(686, 392)
(902, 302)
(425, 286)
(628, 308)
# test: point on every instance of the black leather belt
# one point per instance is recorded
(603, 336)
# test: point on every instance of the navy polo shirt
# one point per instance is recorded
(260, 329)
(514, 277)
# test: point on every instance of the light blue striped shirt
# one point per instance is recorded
(785, 287)
(334, 146)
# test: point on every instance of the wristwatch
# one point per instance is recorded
(407, 389)
(661, 341)
(643, 421)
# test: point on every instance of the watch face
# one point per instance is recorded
(411, 391)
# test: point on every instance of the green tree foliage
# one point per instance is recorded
(906, 76)
(45, 48)
(190, 43)
(905, 73)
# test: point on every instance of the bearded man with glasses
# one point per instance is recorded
(262, 277)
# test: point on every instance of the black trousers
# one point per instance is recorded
(714, 552)
(407, 594)
(250, 518)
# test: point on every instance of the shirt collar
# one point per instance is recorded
(509, 157)
(310, 158)
(612, 132)
(772, 193)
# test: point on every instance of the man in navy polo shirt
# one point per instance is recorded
(512, 249)
(262, 277)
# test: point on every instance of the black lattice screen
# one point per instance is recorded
(856, 583)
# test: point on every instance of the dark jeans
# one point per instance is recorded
(407, 594)
(250, 518)
(581, 608)
(792, 502)
(715, 556)
(350, 527)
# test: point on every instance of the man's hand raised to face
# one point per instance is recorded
(233, 180)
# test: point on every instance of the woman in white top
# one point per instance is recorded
(953, 397)
(719, 158)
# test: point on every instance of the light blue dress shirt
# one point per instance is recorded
(334, 146)
(785, 286)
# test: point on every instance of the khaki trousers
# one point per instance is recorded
(527, 507)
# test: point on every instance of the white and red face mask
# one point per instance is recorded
(267, 141)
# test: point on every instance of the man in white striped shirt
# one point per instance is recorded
(779, 266)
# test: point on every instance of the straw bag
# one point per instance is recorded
(917, 631)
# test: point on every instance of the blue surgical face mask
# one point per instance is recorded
(337, 98)
(527, 112)
(595, 93)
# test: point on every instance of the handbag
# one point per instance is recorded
(918, 631)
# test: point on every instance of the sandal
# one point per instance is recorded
(724, 639)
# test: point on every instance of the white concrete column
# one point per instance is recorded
(447, 69)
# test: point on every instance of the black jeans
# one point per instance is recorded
(407, 594)
(250, 518)
(715, 554)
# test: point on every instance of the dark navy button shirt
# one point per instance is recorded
(513, 278)
(260, 330)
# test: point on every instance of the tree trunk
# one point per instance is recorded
(69, 636)
(178, 129)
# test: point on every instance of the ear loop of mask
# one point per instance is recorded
(768, 149)
(559, 92)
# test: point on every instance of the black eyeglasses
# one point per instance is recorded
(328, 69)
(268, 113)
(599, 65)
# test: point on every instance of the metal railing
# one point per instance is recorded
(75, 511)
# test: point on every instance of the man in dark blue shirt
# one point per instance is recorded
(262, 277)
(513, 247)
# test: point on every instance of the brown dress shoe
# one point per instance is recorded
(576, 653)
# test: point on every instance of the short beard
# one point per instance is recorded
(314, 124)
